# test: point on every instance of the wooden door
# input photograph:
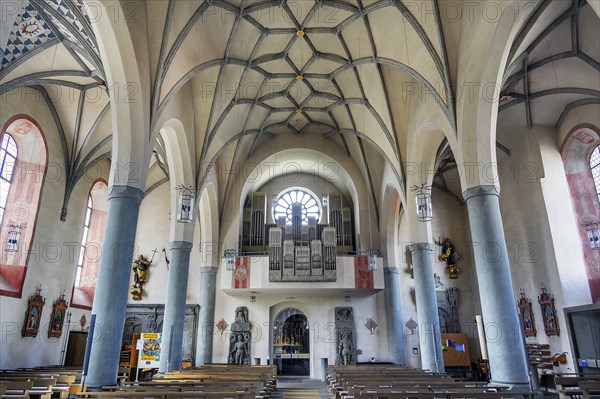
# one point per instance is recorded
(76, 348)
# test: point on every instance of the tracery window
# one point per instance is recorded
(90, 246)
(23, 164)
(286, 200)
(84, 238)
(8, 159)
(595, 166)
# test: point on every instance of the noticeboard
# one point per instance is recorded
(149, 346)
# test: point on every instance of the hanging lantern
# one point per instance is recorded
(185, 205)
(12, 241)
(373, 259)
(593, 233)
(229, 260)
(423, 198)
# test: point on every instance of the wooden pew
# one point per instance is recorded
(590, 388)
(167, 395)
(567, 386)
(17, 389)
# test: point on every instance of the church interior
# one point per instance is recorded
(188, 184)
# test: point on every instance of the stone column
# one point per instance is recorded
(393, 313)
(206, 319)
(175, 306)
(427, 310)
(506, 351)
(112, 287)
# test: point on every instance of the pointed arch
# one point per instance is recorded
(22, 200)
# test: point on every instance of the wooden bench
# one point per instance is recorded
(168, 395)
(17, 389)
(590, 388)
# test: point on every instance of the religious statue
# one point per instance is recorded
(450, 256)
(239, 343)
(239, 352)
(240, 317)
(140, 268)
(346, 348)
(140, 275)
(345, 332)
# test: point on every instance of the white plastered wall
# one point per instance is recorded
(528, 231)
(52, 264)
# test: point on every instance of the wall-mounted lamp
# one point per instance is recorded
(12, 239)
(423, 202)
(230, 255)
(252, 298)
(347, 298)
(371, 325)
(185, 204)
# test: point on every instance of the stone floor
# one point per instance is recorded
(300, 388)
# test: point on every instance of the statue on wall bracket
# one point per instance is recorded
(449, 255)
(239, 342)
(140, 275)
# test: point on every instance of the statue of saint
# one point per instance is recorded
(239, 351)
(140, 269)
(345, 348)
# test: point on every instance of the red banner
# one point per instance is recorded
(241, 273)
(363, 277)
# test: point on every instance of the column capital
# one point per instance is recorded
(208, 269)
(391, 270)
(184, 245)
(420, 246)
(128, 192)
(481, 190)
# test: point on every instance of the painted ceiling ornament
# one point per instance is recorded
(30, 27)
(412, 326)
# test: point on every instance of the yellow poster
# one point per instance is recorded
(149, 354)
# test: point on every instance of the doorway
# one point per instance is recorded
(76, 348)
(291, 343)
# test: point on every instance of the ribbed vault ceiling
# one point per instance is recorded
(262, 69)
(250, 71)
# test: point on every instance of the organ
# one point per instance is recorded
(300, 247)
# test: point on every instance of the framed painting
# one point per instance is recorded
(527, 317)
(33, 315)
(546, 302)
(57, 318)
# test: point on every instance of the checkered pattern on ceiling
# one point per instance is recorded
(29, 31)
(64, 10)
